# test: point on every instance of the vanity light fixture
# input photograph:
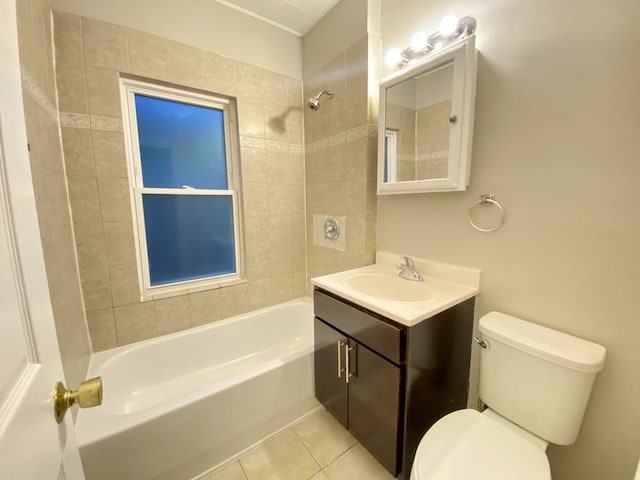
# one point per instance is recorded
(450, 30)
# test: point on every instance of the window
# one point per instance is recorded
(183, 167)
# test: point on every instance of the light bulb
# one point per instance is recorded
(418, 41)
(393, 57)
(448, 25)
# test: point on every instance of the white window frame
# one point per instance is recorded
(128, 89)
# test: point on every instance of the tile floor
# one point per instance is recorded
(315, 448)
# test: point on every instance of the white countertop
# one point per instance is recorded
(448, 285)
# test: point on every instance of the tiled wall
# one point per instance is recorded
(340, 156)
(403, 120)
(422, 148)
(47, 170)
(90, 56)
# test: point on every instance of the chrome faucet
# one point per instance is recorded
(408, 270)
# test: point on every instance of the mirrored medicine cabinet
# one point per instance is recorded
(426, 123)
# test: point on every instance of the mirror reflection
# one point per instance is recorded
(417, 126)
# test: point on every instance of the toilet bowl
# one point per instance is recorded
(536, 383)
(470, 445)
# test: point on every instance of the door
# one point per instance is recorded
(33, 446)
(374, 404)
(330, 369)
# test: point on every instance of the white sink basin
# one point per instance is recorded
(379, 288)
(389, 287)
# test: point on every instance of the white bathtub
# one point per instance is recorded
(178, 405)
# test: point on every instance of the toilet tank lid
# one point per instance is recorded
(557, 347)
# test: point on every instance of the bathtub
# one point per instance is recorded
(178, 405)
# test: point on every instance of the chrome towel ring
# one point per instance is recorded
(486, 200)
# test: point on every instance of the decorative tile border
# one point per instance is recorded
(109, 124)
(75, 120)
(30, 85)
(252, 142)
(274, 146)
(442, 154)
(95, 122)
(356, 133)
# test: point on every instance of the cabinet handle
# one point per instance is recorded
(347, 349)
(340, 358)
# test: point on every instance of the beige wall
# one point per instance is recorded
(205, 24)
(556, 140)
(49, 184)
(340, 137)
(90, 56)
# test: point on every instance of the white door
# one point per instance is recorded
(33, 446)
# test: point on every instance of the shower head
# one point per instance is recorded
(314, 102)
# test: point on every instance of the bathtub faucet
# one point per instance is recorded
(408, 270)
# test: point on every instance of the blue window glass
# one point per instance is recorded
(181, 144)
(188, 236)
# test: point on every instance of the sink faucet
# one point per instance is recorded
(408, 270)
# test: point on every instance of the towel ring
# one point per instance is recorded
(484, 200)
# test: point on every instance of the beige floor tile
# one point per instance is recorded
(325, 438)
(231, 471)
(356, 464)
(283, 457)
(320, 476)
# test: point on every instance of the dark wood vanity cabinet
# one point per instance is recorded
(388, 383)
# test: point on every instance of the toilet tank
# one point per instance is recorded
(537, 377)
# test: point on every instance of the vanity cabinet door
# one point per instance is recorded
(375, 404)
(329, 368)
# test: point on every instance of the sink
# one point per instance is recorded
(389, 287)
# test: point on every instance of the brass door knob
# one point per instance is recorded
(89, 394)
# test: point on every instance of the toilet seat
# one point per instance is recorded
(468, 445)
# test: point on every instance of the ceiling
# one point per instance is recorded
(295, 16)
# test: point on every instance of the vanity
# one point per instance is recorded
(392, 355)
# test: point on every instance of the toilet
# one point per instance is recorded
(535, 383)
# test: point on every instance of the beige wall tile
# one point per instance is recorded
(257, 232)
(109, 154)
(260, 293)
(78, 152)
(278, 167)
(296, 168)
(356, 112)
(68, 38)
(355, 191)
(90, 245)
(254, 165)
(85, 204)
(258, 264)
(251, 118)
(234, 300)
(356, 159)
(171, 314)
(281, 262)
(134, 322)
(220, 74)
(148, 55)
(119, 243)
(95, 288)
(104, 44)
(103, 92)
(125, 289)
(252, 82)
(114, 199)
(256, 199)
(186, 65)
(301, 285)
(281, 229)
(72, 90)
(357, 61)
(355, 234)
(102, 328)
(281, 288)
(204, 307)
(276, 121)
